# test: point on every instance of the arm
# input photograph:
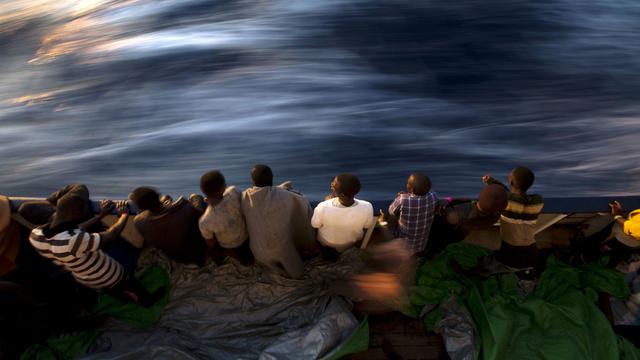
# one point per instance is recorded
(106, 207)
(208, 235)
(488, 180)
(316, 219)
(394, 208)
(114, 231)
(617, 211)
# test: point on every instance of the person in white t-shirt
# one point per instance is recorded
(342, 219)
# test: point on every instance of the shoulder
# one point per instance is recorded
(37, 234)
(232, 191)
(535, 199)
(324, 203)
(365, 204)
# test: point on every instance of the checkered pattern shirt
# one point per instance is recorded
(415, 216)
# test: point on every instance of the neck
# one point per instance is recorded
(346, 201)
(518, 191)
(214, 200)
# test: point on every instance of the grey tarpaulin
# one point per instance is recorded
(457, 330)
(236, 312)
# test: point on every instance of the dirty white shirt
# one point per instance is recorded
(225, 220)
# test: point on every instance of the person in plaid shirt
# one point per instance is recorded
(415, 210)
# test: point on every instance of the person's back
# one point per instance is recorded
(458, 221)
(276, 220)
(341, 220)
(518, 221)
(415, 210)
(171, 227)
(222, 220)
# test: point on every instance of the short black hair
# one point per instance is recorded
(421, 183)
(211, 182)
(146, 198)
(348, 184)
(523, 177)
(262, 176)
(71, 206)
(493, 198)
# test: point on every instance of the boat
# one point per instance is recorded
(394, 335)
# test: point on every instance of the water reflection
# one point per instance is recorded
(124, 93)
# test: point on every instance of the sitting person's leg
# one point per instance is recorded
(518, 257)
(619, 252)
(129, 289)
(590, 246)
(242, 253)
(124, 253)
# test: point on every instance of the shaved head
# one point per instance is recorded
(347, 184)
(493, 198)
(262, 176)
(419, 184)
(71, 207)
(522, 178)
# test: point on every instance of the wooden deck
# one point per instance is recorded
(406, 336)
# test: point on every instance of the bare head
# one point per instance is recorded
(146, 198)
(262, 176)
(418, 184)
(493, 198)
(521, 179)
(346, 186)
(71, 207)
(213, 184)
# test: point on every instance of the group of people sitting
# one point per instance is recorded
(277, 227)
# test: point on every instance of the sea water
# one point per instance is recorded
(117, 94)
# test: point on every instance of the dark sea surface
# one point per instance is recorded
(118, 94)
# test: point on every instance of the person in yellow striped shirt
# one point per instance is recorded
(517, 222)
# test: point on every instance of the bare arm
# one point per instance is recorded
(114, 231)
(617, 211)
(106, 207)
(488, 180)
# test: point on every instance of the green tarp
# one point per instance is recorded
(558, 320)
(357, 342)
(152, 279)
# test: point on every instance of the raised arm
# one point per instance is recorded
(394, 208)
(114, 231)
(106, 207)
(617, 211)
(488, 180)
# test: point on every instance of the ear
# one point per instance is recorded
(206, 199)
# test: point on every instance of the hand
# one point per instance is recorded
(616, 208)
(106, 207)
(287, 185)
(122, 206)
(382, 218)
(486, 179)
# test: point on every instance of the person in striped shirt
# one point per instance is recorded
(415, 210)
(65, 242)
(518, 221)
